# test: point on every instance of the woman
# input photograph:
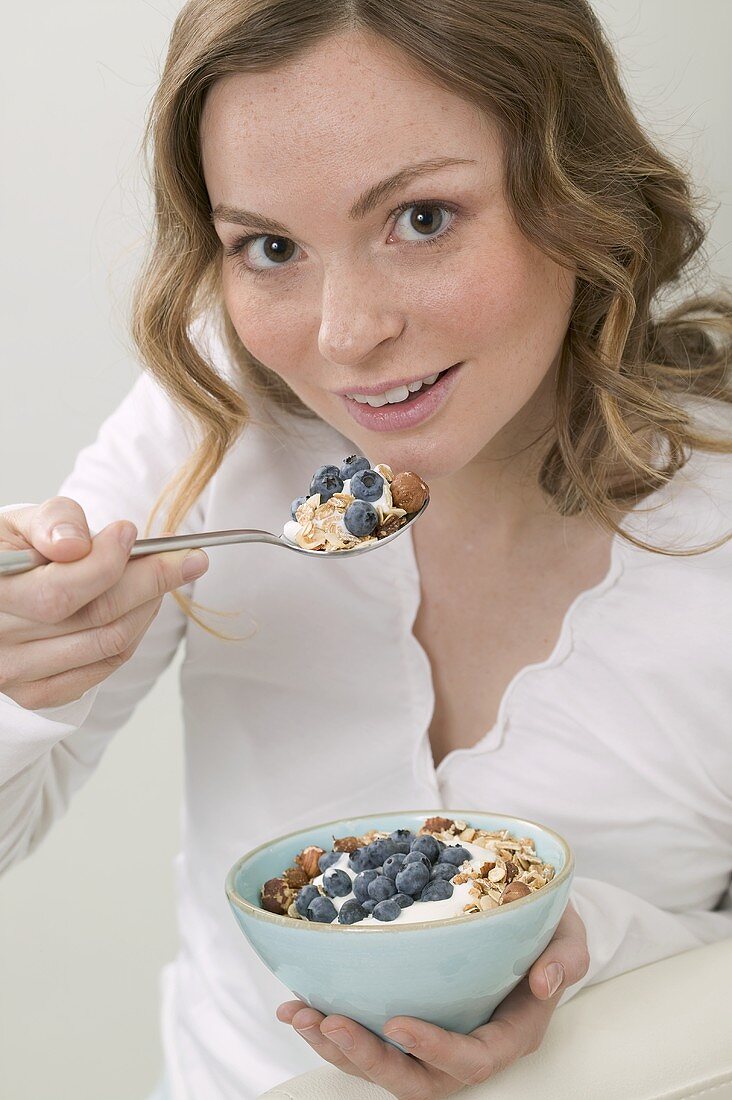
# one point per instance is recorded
(353, 197)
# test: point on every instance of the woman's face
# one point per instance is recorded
(350, 298)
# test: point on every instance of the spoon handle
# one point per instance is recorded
(22, 561)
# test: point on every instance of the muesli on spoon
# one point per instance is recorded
(353, 504)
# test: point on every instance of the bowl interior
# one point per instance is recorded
(269, 860)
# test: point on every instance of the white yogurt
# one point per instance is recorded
(422, 910)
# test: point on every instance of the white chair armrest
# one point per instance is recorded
(662, 1032)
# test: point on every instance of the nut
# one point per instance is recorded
(346, 844)
(308, 860)
(487, 903)
(497, 874)
(391, 524)
(295, 877)
(511, 871)
(514, 891)
(277, 897)
(409, 492)
(485, 869)
(437, 825)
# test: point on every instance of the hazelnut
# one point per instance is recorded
(514, 891)
(295, 877)
(346, 844)
(437, 825)
(511, 871)
(308, 860)
(276, 896)
(409, 492)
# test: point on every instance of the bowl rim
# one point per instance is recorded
(259, 913)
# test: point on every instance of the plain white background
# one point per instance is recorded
(88, 920)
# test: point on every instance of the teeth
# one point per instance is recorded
(399, 393)
(395, 396)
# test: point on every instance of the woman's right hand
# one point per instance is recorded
(66, 626)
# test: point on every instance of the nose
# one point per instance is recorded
(358, 314)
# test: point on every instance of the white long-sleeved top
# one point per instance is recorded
(620, 740)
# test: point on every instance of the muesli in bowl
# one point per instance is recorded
(445, 869)
(449, 968)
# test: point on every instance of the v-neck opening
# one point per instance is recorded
(493, 738)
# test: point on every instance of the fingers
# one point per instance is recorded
(57, 528)
(565, 960)
(380, 1062)
(516, 1029)
(306, 1022)
(68, 686)
(51, 593)
(38, 660)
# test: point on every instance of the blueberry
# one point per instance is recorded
(387, 910)
(428, 846)
(295, 505)
(374, 854)
(350, 912)
(437, 890)
(304, 897)
(361, 884)
(455, 855)
(367, 485)
(404, 900)
(381, 888)
(443, 870)
(360, 860)
(322, 910)
(361, 518)
(417, 857)
(336, 883)
(382, 849)
(328, 859)
(369, 905)
(413, 879)
(394, 864)
(352, 465)
(326, 481)
(402, 839)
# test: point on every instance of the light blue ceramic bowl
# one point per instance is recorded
(450, 972)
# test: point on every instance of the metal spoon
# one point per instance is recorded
(21, 561)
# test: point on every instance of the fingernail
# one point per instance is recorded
(404, 1038)
(554, 974)
(341, 1038)
(195, 565)
(127, 536)
(67, 531)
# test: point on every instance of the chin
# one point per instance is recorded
(432, 458)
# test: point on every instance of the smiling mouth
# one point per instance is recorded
(399, 395)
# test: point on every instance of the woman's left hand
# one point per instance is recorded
(443, 1062)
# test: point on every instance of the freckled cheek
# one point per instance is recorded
(269, 327)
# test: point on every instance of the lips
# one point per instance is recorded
(416, 409)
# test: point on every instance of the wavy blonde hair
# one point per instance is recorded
(584, 182)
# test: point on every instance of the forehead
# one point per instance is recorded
(350, 110)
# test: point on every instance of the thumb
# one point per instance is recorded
(57, 529)
(564, 961)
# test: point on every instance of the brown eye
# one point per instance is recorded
(278, 249)
(424, 222)
(426, 219)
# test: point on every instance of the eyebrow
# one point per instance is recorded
(363, 205)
